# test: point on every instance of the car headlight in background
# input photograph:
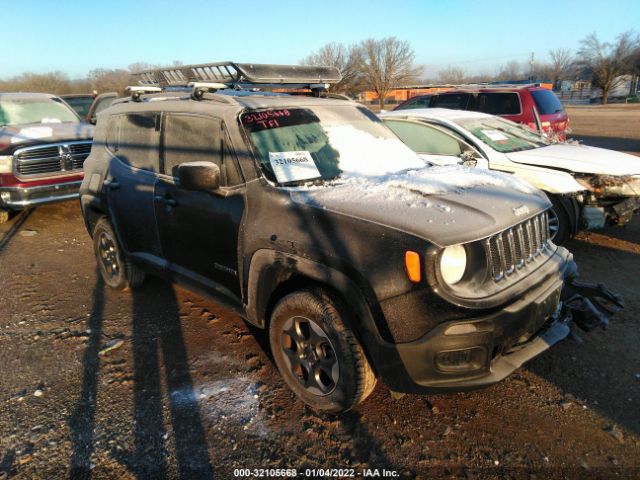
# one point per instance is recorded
(453, 264)
(5, 163)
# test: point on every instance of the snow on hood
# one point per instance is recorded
(445, 205)
(579, 159)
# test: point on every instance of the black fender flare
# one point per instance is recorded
(269, 268)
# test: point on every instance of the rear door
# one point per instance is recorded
(134, 141)
(199, 230)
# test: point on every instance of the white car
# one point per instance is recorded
(588, 186)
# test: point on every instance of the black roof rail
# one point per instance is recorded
(240, 75)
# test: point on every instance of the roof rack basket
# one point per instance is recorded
(239, 75)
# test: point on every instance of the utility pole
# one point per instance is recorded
(531, 62)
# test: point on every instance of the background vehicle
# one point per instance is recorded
(310, 219)
(43, 146)
(589, 186)
(531, 105)
(88, 105)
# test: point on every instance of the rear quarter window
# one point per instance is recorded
(546, 102)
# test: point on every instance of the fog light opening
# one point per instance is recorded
(468, 359)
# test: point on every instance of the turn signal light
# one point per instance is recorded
(412, 263)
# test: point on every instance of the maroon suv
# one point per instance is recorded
(535, 106)
(43, 145)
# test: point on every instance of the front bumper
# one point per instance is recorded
(478, 352)
(16, 198)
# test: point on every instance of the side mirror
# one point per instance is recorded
(93, 120)
(203, 176)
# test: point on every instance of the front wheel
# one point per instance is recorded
(316, 352)
(562, 219)
(116, 269)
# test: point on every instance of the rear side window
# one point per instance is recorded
(498, 103)
(455, 101)
(423, 138)
(418, 102)
(546, 102)
(139, 144)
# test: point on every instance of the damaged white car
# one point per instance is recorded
(589, 187)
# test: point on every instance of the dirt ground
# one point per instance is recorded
(161, 383)
(615, 126)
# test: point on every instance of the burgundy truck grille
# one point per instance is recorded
(49, 160)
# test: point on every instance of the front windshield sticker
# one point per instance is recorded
(31, 133)
(495, 135)
(293, 166)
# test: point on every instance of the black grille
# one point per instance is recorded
(51, 159)
(514, 248)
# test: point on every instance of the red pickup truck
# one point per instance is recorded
(43, 145)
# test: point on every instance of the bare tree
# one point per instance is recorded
(52, 82)
(451, 75)
(385, 64)
(106, 80)
(605, 63)
(345, 59)
(511, 70)
(561, 61)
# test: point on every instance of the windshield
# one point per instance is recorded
(21, 111)
(502, 135)
(320, 143)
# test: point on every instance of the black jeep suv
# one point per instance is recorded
(310, 219)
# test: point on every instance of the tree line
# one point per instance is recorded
(379, 65)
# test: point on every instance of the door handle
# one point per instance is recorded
(168, 201)
(112, 184)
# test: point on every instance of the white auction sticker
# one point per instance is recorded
(495, 135)
(293, 166)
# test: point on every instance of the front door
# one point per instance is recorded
(199, 230)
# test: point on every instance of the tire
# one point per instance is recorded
(308, 334)
(4, 216)
(116, 269)
(562, 219)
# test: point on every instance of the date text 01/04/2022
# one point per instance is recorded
(315, 473)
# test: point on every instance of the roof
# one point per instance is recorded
(240, 98)
(436, 114)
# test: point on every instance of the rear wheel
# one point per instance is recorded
(317, 354)
(562, 219)
(116, 269)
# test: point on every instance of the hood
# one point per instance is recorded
(443, 205)
(18, 136)
(579, 159)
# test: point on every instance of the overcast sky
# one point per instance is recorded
(76, 37)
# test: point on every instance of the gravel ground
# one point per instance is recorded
(161, 383)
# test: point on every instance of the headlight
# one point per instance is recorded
(453, 263)
(5, 164)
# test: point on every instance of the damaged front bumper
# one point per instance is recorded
(476, 353)
(610, 200)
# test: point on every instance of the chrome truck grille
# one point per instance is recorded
(513, 249)
(49, 160)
